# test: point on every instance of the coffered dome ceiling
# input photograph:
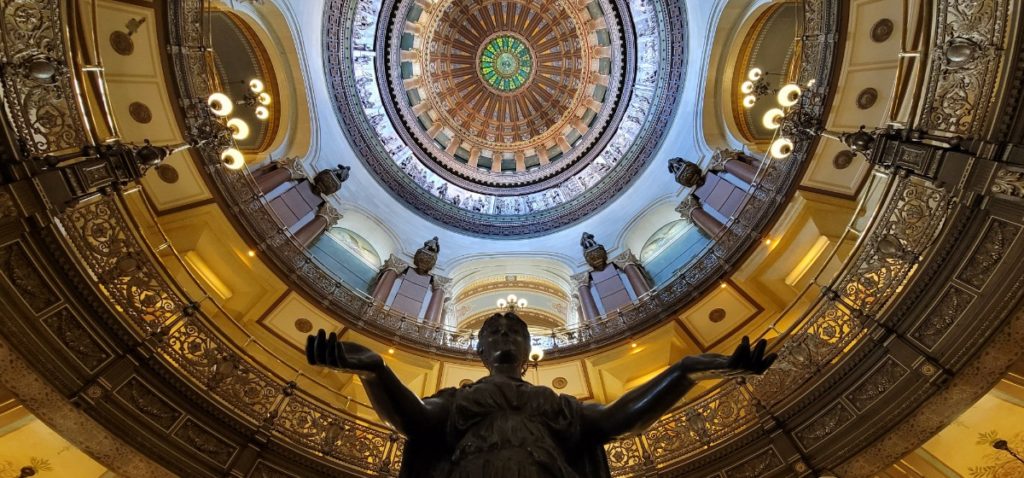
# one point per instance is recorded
(505, 118)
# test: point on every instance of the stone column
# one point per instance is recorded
(277, 173)
(270, 180)
(631, 266)
(691, 209)
(384, 284)
(436, 304)
(326, 217)
(741, 170)
(736, 163)
(587, 303)
(636, 278)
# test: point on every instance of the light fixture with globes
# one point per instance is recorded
(222, 106)
(787, 99)
(512, 303)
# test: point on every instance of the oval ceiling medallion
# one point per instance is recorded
(303, 325)
(882, 30)
(843, 159)
(867, 98)
(505, 117)
(167, 173)
(140, 112)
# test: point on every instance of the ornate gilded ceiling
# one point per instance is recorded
(505, 94)
(510, 117)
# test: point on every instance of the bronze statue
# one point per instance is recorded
(502, 426)
(329, 181)
(687, 174)
(425, 257)
(587, 241)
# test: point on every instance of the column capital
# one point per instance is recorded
(724, 155)
(292, 164)
(581, 279)
(625, 258)
(327, 211)
(687, 205)
(395, 264)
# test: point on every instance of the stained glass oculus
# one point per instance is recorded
(505, 63)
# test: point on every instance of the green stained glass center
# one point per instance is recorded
(505, 63)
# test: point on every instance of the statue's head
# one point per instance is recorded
(504, 342)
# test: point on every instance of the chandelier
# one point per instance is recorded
(787, 99)
(512, 303)
(221, 105)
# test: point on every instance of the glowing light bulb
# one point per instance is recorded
(391, 351)
(512, 298)
(262, 113)
(264, 98)
(749, 101)
(239, 128)
(233, 158)
(251, 253)
(755, 74)
(536, 353)
(220, 104)
(256, 86)
(722, 285)
(521, 303)
(633, 345)
(782, 148)
(773, 118)
(502, 303)
(789, 95)
(747, 87)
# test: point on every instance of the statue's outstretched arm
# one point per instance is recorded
(395, 403)
(642, 406)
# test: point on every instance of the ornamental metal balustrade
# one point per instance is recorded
(105, 234)
(108, 236)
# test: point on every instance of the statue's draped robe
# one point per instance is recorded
(506, 429)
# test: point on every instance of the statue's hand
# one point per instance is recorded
(746, 360)
(328, 351)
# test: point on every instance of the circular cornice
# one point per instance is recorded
(539, 199)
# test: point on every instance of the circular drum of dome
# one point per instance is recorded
(505, 117)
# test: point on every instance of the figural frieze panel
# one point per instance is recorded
(997, 239)
(148, 403)
(23, 274)
(70, 332)
(824, 425)
(878, 382)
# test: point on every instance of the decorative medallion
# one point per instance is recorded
(716, 315)
(140, 112)
(167, 173)
(303, 325)
(122, 43)
(843, 159)
(882, 30)
(505, 117)
(559, 383)
(505, 63)
(867, 98)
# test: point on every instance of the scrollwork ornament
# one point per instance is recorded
(1008, 182)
